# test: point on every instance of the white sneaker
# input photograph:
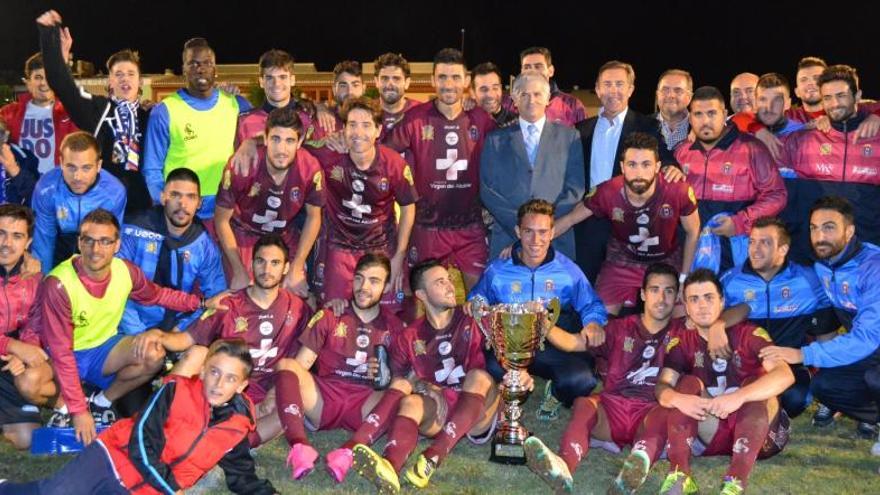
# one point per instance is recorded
(875, 450)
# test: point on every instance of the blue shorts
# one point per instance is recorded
(90, 363)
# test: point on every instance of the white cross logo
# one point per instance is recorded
(357, 207)
(450, 372)
(451, 164)
(358, 362)
(265, 352)
(643, 240)
(268, 221)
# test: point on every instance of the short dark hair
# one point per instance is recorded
(362, 103)
(184, 174)
(33, 63)
(807, 62)
(273, 239)
(486, 68)
(535, 206)
(391, 60)
(707, 93)
(235, 348)
(100, 216)
(701, 275)
(126, 55)
(285, 117)
(19, 212)
(196, 44)
(781, 229)
(773, 80)
(374, 259)
(351, 67)
(617, 64)
(835, 203)
(417, 273)
(537, 50)
(641, 141)
(276, 59)
(660, 269)
(80, 141)
(449, 56)
(843, 73)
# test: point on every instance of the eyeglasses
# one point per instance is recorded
(103, 242)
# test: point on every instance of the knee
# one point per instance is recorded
(493, 367)
(872, 379)
(478, 381)
(402, 385)
(155, 358)
(288, 364)
(689, 384)
(29, 384)
(411, 407)
(20, 438)
(822, 385)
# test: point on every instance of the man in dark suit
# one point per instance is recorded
(532, 158)
(602, 139)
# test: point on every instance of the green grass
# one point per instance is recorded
(816, 461)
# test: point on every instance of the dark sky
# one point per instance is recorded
(713, 40)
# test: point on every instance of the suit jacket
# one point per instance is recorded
(507, 180)
(633, 122)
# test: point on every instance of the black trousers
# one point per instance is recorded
(853, 389)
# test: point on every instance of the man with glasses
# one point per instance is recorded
(194, 128)
(64, 195)
(77, 313)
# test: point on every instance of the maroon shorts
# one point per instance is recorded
(343, 402)
(259, 386)
(334, 275)
(625, 416)
(246, 241)
(465, 248)
(723, 442)
(620, 284)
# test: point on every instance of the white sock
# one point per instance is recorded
(62, 409)
(101, 400)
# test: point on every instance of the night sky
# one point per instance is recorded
(712, 40)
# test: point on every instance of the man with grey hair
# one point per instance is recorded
(674, 90)
(742, 92)
(533, 158)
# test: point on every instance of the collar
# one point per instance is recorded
(524, 124)
(268, 107)
(554, 88)
(618, 119)
(849, 252)
(779, 126)
(15, 269)
(747, 268)
(680, 122)
(731, 133)
(517, 247)
(851, 123)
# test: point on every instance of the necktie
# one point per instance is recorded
(532, 143)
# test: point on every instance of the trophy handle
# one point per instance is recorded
(553, 312)
(478, 313)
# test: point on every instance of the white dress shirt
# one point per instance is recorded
(606, 136)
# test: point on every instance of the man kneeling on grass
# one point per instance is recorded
(189, 426)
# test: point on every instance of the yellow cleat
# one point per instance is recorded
(420, 473)
(376, 469)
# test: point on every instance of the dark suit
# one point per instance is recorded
(507, 180)
(591, 236)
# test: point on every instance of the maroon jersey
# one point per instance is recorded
(260, 205)
(446, 159)
(270, 333)
(345, 343)
(634, 357)
(389, 120)
(359, 208)
(688, 353)
(646, 233)
(441, 357)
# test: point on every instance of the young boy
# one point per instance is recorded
(189, 426)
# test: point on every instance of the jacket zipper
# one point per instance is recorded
(845, 148)
(705, 176)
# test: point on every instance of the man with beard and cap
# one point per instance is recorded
(342, 390)
(733, 174)
(287, 180)
(441, 355)
(66, 194)
(268, 317)
(837, 162)
(392, 80)
(849, 365)
(194, 127)
(742, 92)
(347, 83)
(488, 91)
(674, 91)
(562, 108)
(645, 212)
(118, 121)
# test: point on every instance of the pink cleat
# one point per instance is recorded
(339, 461)
(301, 460)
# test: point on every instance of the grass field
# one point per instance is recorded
(817, 461)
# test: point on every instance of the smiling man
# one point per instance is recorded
(392, 79)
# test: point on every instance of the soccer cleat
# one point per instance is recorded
(823, 416)
(420, 473)
(548, 410)
(549, 466)
(867, 431)
(59, 420)
(731, 486)
(678, 483)
(875, 450)
(376, 469)
(633, 473)
(301, 460)
(338, 463)
(103, 415)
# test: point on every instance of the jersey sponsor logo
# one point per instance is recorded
(643, 219)
(451, 164)
(189, 133)
(241, 324)
(719, 365)
(143, 233)
(786, 292)
(761, 333)
(641, 375)
(362, 341)
(825, 168)
(273, 201)
(419, 347)
(294, 194)
(444, 348)
(427, 133)
(867, 150)
(264, 353)
(722, 188)
(268, 220)
(266, 328)
(255, 189)
(81, 319)
(870, 171)
(617, 214)
(649, 352)
(644, 240)
(666, 211)
(825, 149)
(356, 205)
(451, 138)
(337, 173)
(451, 374)
(341, 330)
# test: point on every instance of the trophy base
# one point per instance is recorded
(507, 453)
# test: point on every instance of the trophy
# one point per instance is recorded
(515, 332)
